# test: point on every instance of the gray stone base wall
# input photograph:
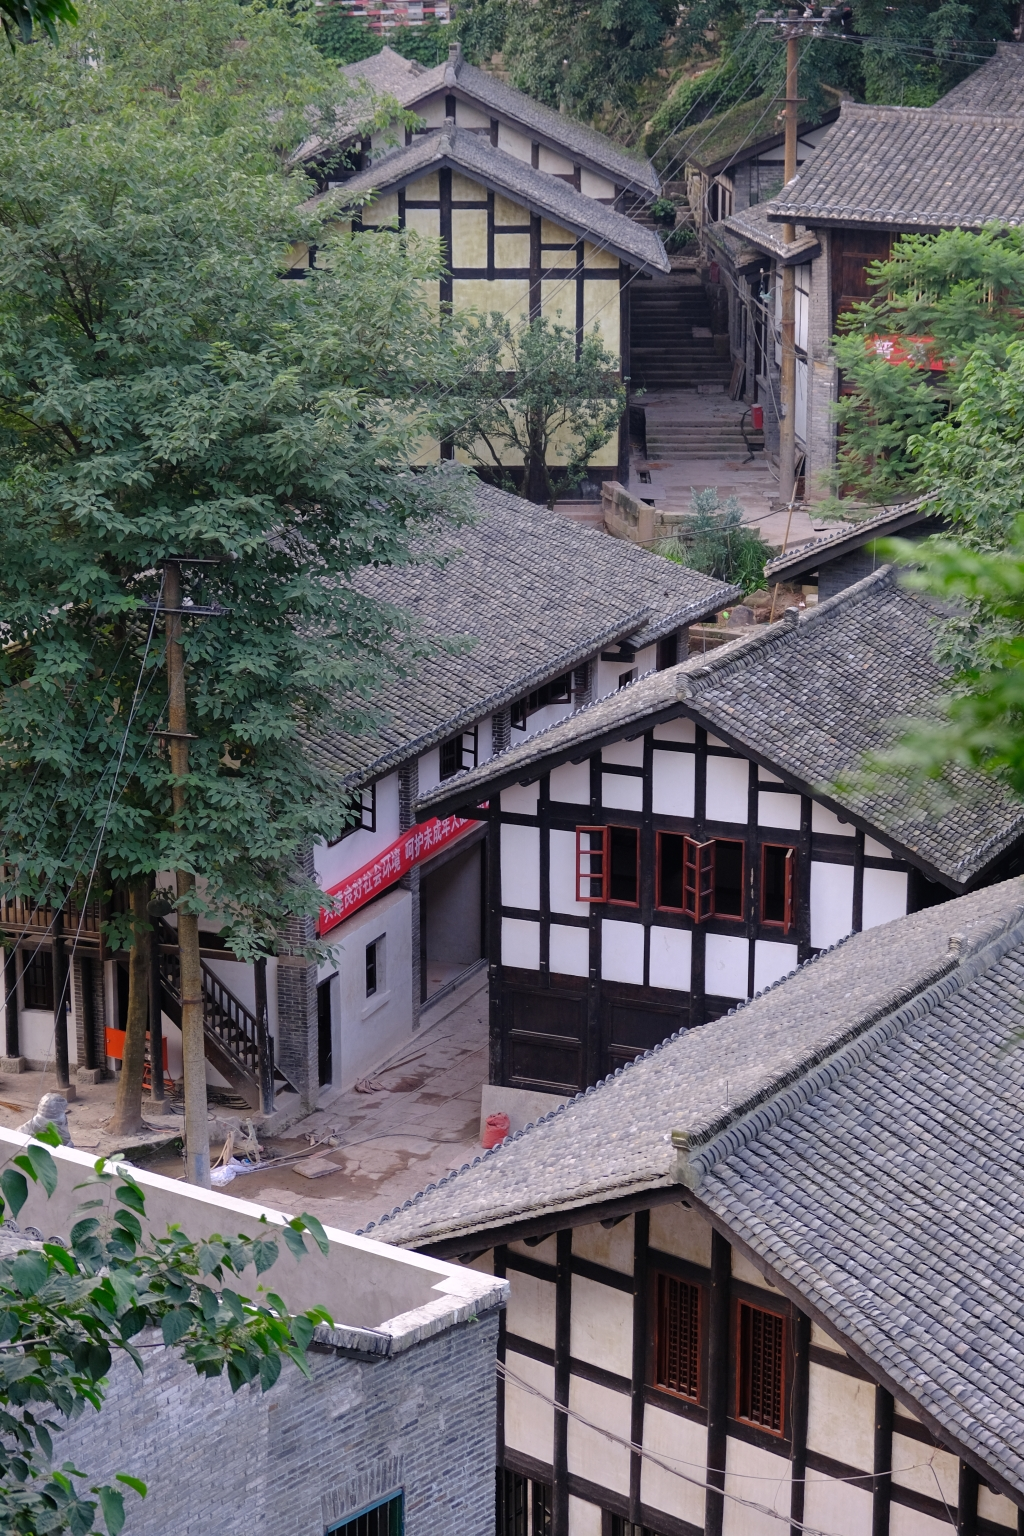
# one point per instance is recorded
(306, 1455)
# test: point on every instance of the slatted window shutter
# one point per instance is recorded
(698, 879)
(592, 863)
(762, 1367)
(677, 1363)
(790, 897)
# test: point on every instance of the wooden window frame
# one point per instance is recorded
(39, 965)
(614, 901)
(662, 906)
(590, 875)
(700, 878)
(557, 690)
(661, 1279)
(465, 747)
(741, 1388)
(789, 896)
(367, 815)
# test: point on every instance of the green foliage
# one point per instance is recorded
(679, 238)
(66, 1312)
(162, 391)
(534, 395)
(21, 19)
(714, 539)
(347, 39)
(481, 27)
(957, 296)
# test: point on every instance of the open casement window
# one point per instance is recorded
(677, 1340)
(364, 818)
(608, 865)
(457, 753)
(712, 878)
(761, 1341)
(778, 886)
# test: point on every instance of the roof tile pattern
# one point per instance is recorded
(998, 86)
(911, 168)
(889, 520)
(861, 1126)
(812, 695)
(541, 193)
(533, 593)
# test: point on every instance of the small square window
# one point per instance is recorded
(37, 981)
(364, 817)
(625, 678)
(383, 1519)
(375, 981)
(457, 753)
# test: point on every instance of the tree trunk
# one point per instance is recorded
(536, 469)
(127, 1116)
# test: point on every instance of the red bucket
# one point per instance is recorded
(757, 417)
(496, 1129)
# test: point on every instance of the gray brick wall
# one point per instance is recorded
(304, 1456)
(296, 1043)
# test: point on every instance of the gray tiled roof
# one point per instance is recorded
(910, 168)
(388, 74)
(541, 193)
(841, 540)
(998, 86)
(752, 225)
(859, 1126)
(810, 696)
(535, 594)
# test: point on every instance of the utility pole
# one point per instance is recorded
(193, 1048)
(793, 27)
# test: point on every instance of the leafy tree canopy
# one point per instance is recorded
(347, 39)
(67, 1312)
(715, 540)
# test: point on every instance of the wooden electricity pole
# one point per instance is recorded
(193, 1049)
(787, 382)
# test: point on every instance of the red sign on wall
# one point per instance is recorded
(419, 843)
(907, 349)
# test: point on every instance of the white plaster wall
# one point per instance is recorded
(569, 951)
(992, 1506)
(759, 1476)
(520, 943)
(670, 958)
(35, 1036)
(725, 965)
(484, 748)
(842, 1509)
(520, 867)
(775, 810)
(917, 1466)
(771, 961)
(361, 847)
(684, 1443)
(520, 799)
(607, 673)
(545, 1252)
(823, 1341)
(680, 1230)
(831, 903)
(876, 850)
(885, 896)
(764, 777)
(367, 1030)
(430, 770)
(531, 1309)
(621, 794)
(622, 951)
(432, 110)
(626, 754)
(584, 1519)
(470, 117)
(672, 787)
(742, 1269)
(592, 185)
(570, 783)
(519, 145)
(824, 820)
(601, 1326)
(529, 1423)
(907, 1522)
(539, 719)
(562, 874)
(728, 778)
(841, 1417)
(554, 164)
(591, 1454)
(676, 730)
(610, 1246)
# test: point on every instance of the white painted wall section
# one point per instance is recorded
(520, 867)
(562, 873)
(619, 793)
(725, 965)
(569, 951)
(591, 1454)
(670, 958)
(529, 1423)
(570, 783)
(677, 1440)
(727, 782)
(601, 1326)
(755, 1475)
(672, 783)
(776, 810)
(520, 943)
(841, 1417)
(824, 820)
(610, 1246)
(679, 1230)
(531, 1310)
(622, 951)
(842, 1509)
(676, 730)
(625, 754)
(885, 896)
(772, 961)
(519, 800)
(584, 1519)
(831, 903)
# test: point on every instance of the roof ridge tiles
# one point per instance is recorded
(699, 1152)
(847, 531)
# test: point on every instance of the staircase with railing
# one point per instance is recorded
(229, 1028)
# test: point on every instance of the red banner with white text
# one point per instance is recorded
(419, 843)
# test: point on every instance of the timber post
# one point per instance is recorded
(263, 1042)
(61, 999)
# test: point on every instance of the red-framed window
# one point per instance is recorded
(712, 876)
(608, 865)
(761, 1344)
(677, 1336)
(778, 885)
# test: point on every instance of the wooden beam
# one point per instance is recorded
(641, 1245)
(718, 1382)
(881, 1485)
(560, 1448)
(544, 1223)
(798, 1418)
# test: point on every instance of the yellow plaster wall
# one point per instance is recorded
(596, 256)
(508, 295)
(558, 260)
(511, 250)
(466, 191)
(425, 221)
(469, 237)
(383, 210)
(601, 305)
(548, 160)
(558, 301)
(432, 110)
(554, 234)
(514, 143)
(426, 190)
(470, 117)
(508, 212)
(595, 186)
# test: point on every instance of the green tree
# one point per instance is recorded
(67, 1312)
(950, 298)
(534, 397)
(162, 392)
(21, 19)
(347, 39)
(714, 539)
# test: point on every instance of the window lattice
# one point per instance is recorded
(762, 1337)
(678, 1353)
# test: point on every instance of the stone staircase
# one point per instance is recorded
(664, 353)
(715, 439)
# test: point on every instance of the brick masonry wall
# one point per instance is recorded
(304, 1456)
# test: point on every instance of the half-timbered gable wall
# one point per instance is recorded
(750, 1288)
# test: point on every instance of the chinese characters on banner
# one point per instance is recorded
(907, 349)
(396, 860)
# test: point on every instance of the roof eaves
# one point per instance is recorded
(892, 519)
